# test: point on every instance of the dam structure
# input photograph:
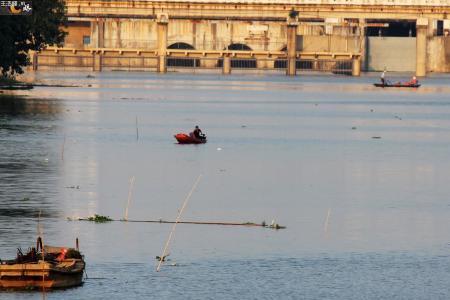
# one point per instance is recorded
(288, 36)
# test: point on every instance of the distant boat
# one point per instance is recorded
(62, 267)
(399, 85)
(183, 138)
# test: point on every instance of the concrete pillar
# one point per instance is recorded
(34, 61)
(162, 28)
(421, 47)
(363, 44)
(100, 33)
(316, 64)
(356, 67)
(226, 65)
(97, 62)
(291, 47)
(265, 64)
(118, 38)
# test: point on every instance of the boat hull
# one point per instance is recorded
(183, 138)
(68, 273)
(397, 85)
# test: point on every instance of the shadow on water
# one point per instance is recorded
(11, 105)
(29, 171)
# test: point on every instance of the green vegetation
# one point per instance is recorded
(20, 33)
(99, 219)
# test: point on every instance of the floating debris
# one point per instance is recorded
(353, 128)
(90, 76)
(376, 137)
(73, 187)
(99, 219)
(275, 225)
(158, 258)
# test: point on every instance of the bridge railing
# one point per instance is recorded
(324, 2)
(110, 59)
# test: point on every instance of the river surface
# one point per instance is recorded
(359, 175)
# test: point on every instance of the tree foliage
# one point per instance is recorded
(21, 33)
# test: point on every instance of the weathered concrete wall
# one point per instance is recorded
(76, 31)
(393, 53)
(202, 35)
(217, 35)
(438, 53)
(328, 43)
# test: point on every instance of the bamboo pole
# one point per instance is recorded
(40, 234)
(224, 223)
(130, 192)
(62, 148)
(176, 222)
(325, 226)
(137, 129)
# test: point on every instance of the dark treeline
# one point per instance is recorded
(21, 33)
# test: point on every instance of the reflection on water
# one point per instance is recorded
(370, 163)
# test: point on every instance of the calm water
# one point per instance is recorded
(293, 150)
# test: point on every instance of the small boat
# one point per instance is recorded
(62, 267)
(399, 85)
(184, 138)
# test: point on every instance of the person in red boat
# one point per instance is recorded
(413, 81)
(198, 133)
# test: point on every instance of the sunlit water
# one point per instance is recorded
(359, 175)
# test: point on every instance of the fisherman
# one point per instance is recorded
(383, 80)
(62, 255)
(413, 81)
(198, 133)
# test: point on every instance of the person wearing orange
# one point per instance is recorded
(62, 255)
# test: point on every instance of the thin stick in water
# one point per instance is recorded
(130, 192)
(176, 222)
(137, 129)
(62, 148)
(325, 227)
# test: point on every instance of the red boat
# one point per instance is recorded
(398, 84)
(184, 138)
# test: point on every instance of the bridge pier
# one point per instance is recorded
(226, 67)
(291, 65)
(162, 28)
(97, 62)
(356, 67)
(421, 46)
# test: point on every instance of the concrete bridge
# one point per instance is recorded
(267, 30)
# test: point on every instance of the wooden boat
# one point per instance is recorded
(62, 268)
(398, 85)
(183, 138)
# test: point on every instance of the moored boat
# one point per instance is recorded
(184, 138)
(52, 267)
(399, 85)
